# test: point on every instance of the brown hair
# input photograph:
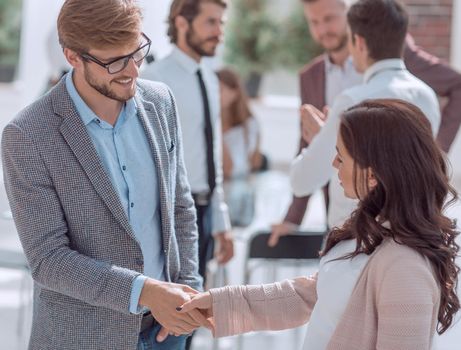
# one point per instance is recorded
(382, 23)
(83, 24)
(189, 9)
(239, 110)
(394, 139)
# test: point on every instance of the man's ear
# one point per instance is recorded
(74, 59)
(182, 24)
(360, 43)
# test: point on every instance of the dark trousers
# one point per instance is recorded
(205, 244)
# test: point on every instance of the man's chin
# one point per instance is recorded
(209, 52)
(123, 97)
(333, 47)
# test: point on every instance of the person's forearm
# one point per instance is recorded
(241, 309)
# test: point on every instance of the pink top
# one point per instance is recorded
(396, 287)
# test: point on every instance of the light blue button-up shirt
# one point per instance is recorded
(127, 158)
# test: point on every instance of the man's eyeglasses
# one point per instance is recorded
(118, 64)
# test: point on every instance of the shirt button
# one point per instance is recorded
(98, 121)
(139, 262)
(132, 204)
(124, 168)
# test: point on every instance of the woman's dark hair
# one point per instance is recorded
(239, 110)
(394, 139)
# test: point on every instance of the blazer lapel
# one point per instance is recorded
(322, 86)
(74, 132)
(155, 135)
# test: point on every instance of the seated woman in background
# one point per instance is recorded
(387, 279)
(241, 134)
(241, 154)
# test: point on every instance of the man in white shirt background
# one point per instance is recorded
(195, 30)
(327, 75)
(376, 39)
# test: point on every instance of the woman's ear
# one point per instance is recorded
(371, 181)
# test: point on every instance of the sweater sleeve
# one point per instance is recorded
(408, 302)
(275, 306)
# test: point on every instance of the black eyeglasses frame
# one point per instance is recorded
(127, 58)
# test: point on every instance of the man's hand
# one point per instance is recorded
(312, 121)
(163, 299)
(225, 250)
(281, 229)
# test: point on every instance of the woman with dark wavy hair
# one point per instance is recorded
(387, 278)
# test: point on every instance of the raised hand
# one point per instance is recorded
(164, 299)
(312, 121)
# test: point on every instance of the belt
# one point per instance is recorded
(148, 321)
(201, 198)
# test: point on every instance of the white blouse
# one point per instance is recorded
(335, 282)
(241, 146)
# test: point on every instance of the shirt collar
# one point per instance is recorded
(329, 65)
(187, 62)
(387, 64)
(84, 111)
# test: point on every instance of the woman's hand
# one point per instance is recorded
(203, 302)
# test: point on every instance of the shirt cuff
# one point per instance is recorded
(136, 288)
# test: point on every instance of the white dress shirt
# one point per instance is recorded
(312, 168)
(335, 283)
(339, 78)
(179, 72)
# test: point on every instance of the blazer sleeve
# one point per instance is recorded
(445, 81)
(312, 90)
(184, 211)
(406, 302)
(43, 231)
(298, 206)
(275, 306)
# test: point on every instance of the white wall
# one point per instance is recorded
(39, 18)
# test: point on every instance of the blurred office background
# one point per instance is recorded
(29, 56)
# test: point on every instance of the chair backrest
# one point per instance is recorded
(299, 245)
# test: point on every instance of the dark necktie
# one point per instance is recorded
(208, 135)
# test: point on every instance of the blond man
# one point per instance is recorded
(95, 177)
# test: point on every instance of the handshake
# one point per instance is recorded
(180, 309)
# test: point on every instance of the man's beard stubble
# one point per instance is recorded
(341, 45)
(104, 89)
(197, 45)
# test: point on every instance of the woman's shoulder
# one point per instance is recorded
(395, 261)
(391, 252)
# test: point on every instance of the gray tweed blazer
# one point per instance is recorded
(82, 252)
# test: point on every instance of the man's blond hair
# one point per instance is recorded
(87, 24)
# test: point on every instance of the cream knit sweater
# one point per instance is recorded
(394, 304)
